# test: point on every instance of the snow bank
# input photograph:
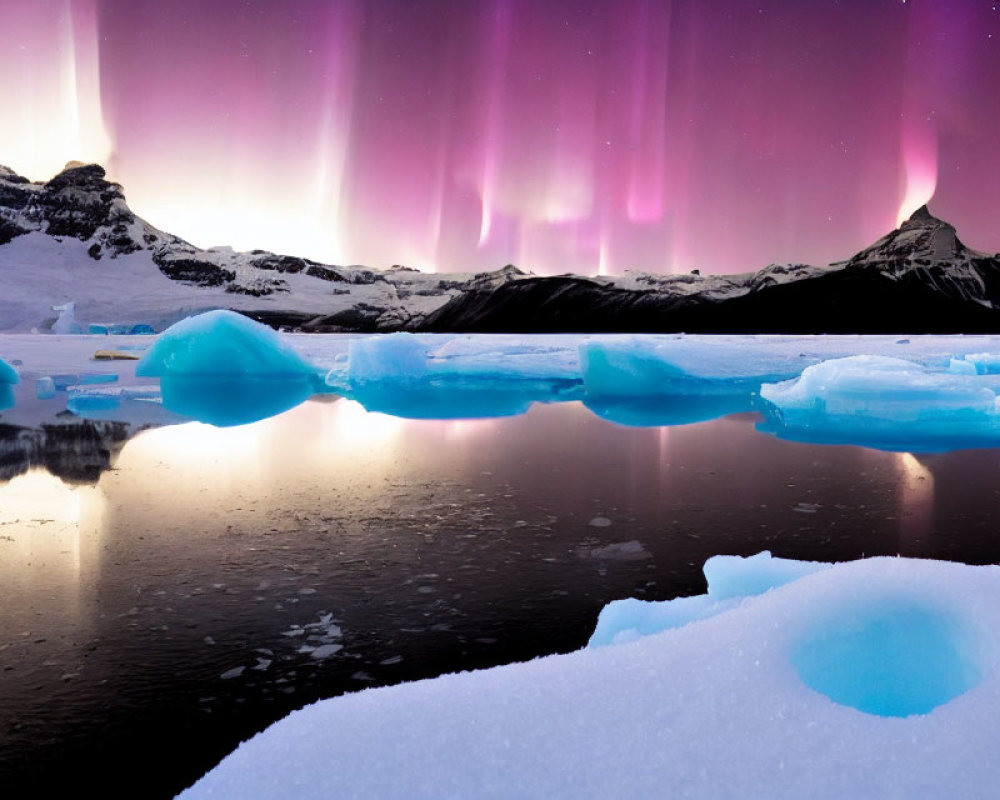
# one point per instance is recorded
(873, 678)
(225, 369)
(884, 402)
(730, 580)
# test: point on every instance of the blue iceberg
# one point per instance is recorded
(397, 374)
(645, 381)
(8, 375)
(225, 369)
(8, 378)
(885, 403)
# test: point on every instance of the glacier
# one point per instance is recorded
(843, 680)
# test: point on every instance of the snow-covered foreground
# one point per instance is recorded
(734, 705)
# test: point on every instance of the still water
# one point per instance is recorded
(212, 580)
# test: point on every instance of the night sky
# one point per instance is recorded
(593, 135)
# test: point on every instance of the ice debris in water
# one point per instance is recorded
(781, 695)
(225, 369)
(884, 402)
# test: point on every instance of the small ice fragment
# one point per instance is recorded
(387, 662)
(235, 672)
(620, 551)
(262, 664)
(326, 650)
(599, 522)
(45, 388)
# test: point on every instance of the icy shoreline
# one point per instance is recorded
(716, 708)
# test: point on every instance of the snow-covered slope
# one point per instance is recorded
(74, 239)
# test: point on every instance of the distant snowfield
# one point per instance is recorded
(716, 708)
(130, 288)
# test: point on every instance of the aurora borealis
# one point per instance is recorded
(596, 135)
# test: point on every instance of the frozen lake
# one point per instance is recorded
(188, 589)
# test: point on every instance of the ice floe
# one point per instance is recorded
(425, 377)
(886, 403)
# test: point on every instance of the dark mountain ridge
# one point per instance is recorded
(918, 278)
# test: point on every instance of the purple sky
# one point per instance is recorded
(561, 136)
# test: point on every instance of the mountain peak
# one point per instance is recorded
(922, 218)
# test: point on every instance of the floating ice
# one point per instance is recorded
(8, 375)
(221, 343)
(45, 388)
(761, 700)
(645, 381)
(115, 329)
(225, 369)
(397, 356)
(395, 374)
(8, 378)
(887, 403)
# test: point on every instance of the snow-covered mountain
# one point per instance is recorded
(919, 278)
(74, 239)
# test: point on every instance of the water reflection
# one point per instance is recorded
(233, 400)
(51, 538)
(457, 398)
(666, 410)
(916, 498)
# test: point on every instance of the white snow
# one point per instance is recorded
(736, 705)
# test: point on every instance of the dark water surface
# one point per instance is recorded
(215, 580)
